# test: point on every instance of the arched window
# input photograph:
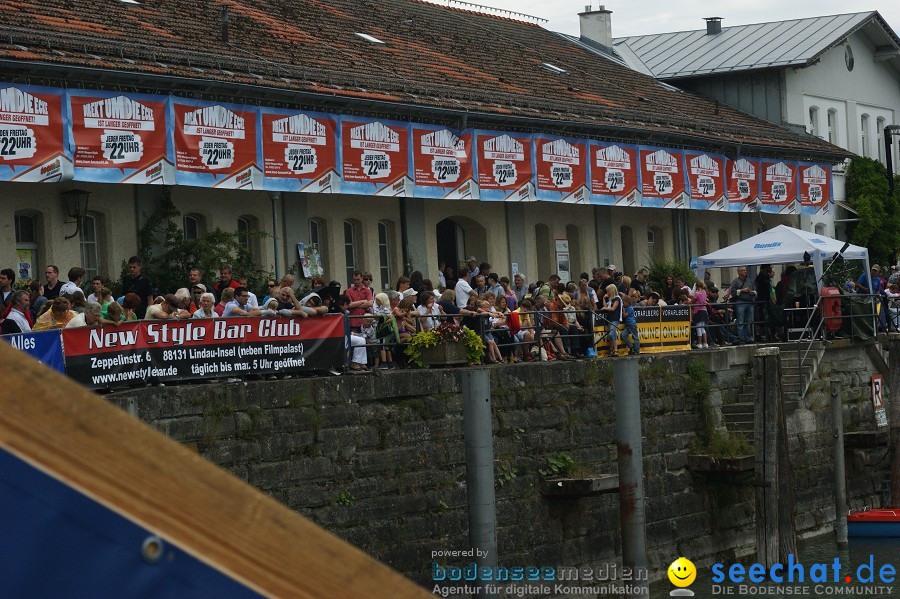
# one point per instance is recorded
(384, 251)
(575, 263)
(700, 236)
(317, 233)
(655, 246)
(26, 246)
(813, 127)
(193, 226)
(627, 236)
(243, 232)
(546, 253)
(879, 139)
(832, 127)
(90, 245)
(351, 243)
(864, 136)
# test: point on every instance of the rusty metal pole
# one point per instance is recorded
(840, 483)
(766, 443)
(894, 414)
(631, 468)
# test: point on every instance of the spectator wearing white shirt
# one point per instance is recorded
(463, 290)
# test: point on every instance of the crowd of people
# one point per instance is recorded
(518, 320)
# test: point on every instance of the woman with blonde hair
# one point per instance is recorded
(382, 311)
(612, 309)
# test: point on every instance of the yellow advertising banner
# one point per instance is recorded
(660, 329)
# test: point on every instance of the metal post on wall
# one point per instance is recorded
(275, 196)
(631, 468)
(840, 485)
(479, 442)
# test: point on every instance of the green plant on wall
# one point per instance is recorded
(561, 464)
(168, 257)
(446, 333)
(505, 474)
(345, 498)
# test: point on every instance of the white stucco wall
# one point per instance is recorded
(871, 88)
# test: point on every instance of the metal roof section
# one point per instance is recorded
(797, 42)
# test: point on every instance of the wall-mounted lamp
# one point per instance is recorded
(76, 201)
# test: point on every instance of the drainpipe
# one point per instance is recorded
(275, 196)
(404, 238)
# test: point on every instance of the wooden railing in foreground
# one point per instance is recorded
(81, 440)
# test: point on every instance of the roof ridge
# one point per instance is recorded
(724, 28)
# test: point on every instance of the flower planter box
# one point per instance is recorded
(444, 354)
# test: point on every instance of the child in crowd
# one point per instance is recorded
(634, 345)
(700, 315)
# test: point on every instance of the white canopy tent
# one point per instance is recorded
(781, 245)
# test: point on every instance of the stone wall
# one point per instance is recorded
(380, 461)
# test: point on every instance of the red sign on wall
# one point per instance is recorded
(31, 135)
(116, 135)
(779, 187)
(442, 162)
(299, 147)
(662, 178)
(375, 153)
(504, 166)
(561, 169)
(215, 145)
(614, 174)
(706, 176)
(815, 188)
(743, 185)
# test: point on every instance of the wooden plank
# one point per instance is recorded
(78, 438)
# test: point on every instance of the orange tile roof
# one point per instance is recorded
(433, 57)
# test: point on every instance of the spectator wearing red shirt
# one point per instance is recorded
(360, 301)
(225, 281)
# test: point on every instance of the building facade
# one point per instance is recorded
(428, 64)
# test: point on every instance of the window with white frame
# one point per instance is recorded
(879, 139)
(864, 135)
(814, 121)
(243, 232)
(89, 241)
(832, 126)
(26, 246)
(350, 257)
(384, 252)
(191, 223)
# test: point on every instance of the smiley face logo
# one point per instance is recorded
(682, 572)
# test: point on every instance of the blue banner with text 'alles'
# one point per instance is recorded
(44, 346)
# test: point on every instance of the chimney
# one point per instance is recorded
(596, 26)
(713, 25)
(224, 24)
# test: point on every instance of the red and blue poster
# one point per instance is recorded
(615, 179)
(778, 187)
(505, 167)
(815, 188)
(743, 184)
(443, 162)
(215, 144)
(299, 151)
(706, 179)
(375, 157)
(120, 138)
(561, 169)
(33, 122)
(662, 178)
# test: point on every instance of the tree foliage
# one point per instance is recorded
(168, 257)
(878, 227)
(661, 267)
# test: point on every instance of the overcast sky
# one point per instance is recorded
(638, 17)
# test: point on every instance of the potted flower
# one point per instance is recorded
(447, 344)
